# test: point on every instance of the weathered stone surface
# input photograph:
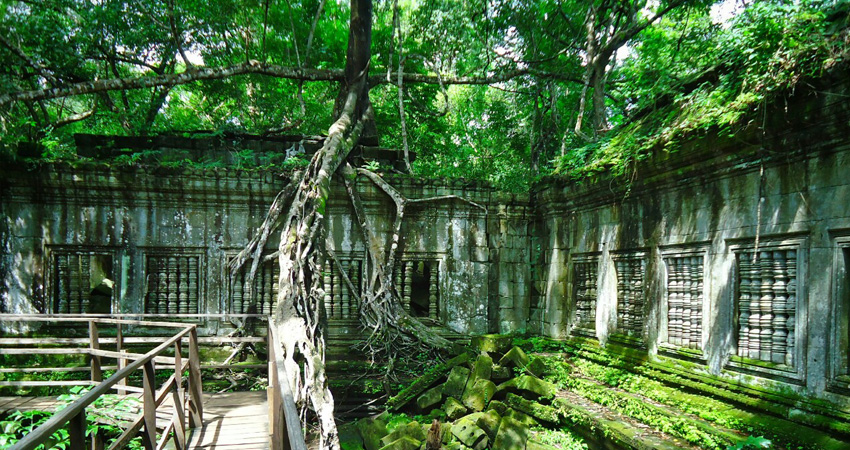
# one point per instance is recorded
(512, 435)
(349, 437)
(453, 387)
(454, 408)
(412, 430)
(534, 409)
(515, 357)
(426, 381)
(501, 373)
(481, 370)
(498, 406)
(478, 396)
(371, 431)
(430, 398)
(528, 386)
(470, 434)
(492, 343)
(489, 422)
(536, 367)
(403, 443)
(521, 417)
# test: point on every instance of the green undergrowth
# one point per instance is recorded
(625, 387)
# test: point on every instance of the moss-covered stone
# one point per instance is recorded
(534, 409)
(454, 385)
(470, 434)
(453, 408)
(489, 422)
(512, 435)
(501, 373)
(521, 417)
(537, 367)
(515, 357)
(426, 381)
(349, 438)
(498, 406)
(371, 431)
(492, 343)
(430, 398)
(411, 430)
(403, 443)
(481, 370)
(528, 386)
(478, 396)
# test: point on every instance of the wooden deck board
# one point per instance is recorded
(232, 421)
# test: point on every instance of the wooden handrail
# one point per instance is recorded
(74, 414)
(284, 425)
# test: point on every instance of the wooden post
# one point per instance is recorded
(77, 431)
(271, 392)
(178, 419)
(149, 398)
(196, 405)
(94, 344)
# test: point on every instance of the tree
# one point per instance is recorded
(102, 64)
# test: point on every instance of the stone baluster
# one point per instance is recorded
(744, 303)
(355, 272)
(327, 268)
(338, 292)
(622, 297)
(345, 297)
(268, 296)
(674, 314)
(276, 284)
(183, 283)
(697, 270)
(766, 304)
(755, 309)
(194, 285)
(637, 295)
(238, 301)
(433, 290)
(687, 301)
(791, 306)
(408, 284)
(398, 273)
(779, 339)
(172, 286)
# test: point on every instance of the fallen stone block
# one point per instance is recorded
(454, 409)
(481, 370)
(454, 385)
(371, 431)
(528, 386)
(515, 357)
(512, 435)
(534, 409)
(498, 406)
(403, 443)
(470, 434)
(489, 422)
(521, 417)
(501, 373)
(537, 367)
(492, 343)
(426, 381)
(411, 430)
(478, 396)
(430, 398)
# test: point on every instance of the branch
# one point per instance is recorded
(30, 62)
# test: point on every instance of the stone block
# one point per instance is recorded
(481, 370)
(534, 409)
(470, 434)
(500, 407)
(489, 422)
(536, 367)
(371, 431)
(412, 430)
(528, 386)
(403, 443)
(512, 435)
(454, 385)
(426, 381)
(496, 344)
(501, 373)
(453, 408)
(430, 398)
(478, 395)
(515, 357)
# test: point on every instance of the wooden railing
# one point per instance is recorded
(74, 415)
(284, 423)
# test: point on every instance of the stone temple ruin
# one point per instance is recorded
(731, 253)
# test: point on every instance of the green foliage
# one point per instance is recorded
(752, 443)
(562, 438)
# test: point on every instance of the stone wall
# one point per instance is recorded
(127, 240)
(731, 252)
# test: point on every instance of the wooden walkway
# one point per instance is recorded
(232, 421)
